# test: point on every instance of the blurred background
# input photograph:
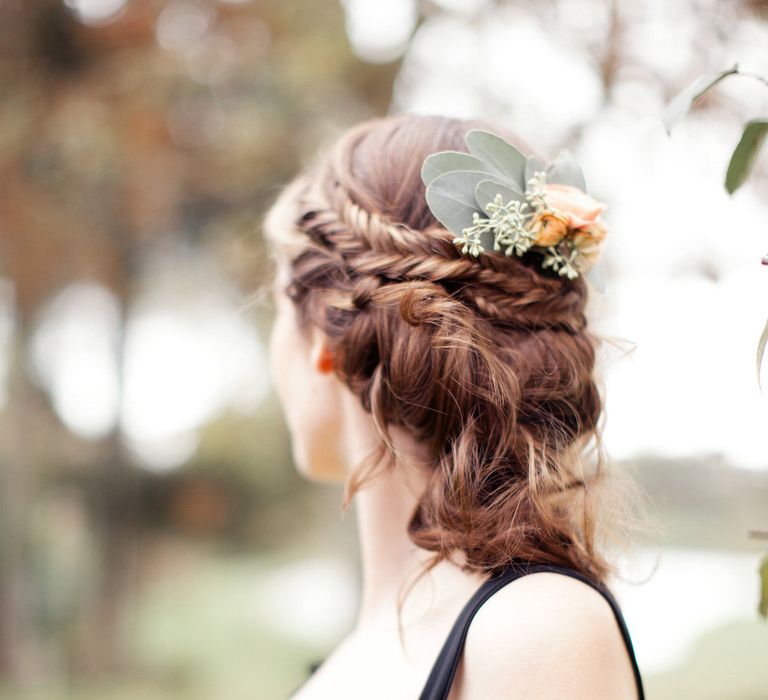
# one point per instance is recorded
(155, 540)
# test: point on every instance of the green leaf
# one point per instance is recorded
(450, 161)
(451, 198)
(565, 170)
(497, 153)
(761, 351)
(743, 158)
(532, 166)
(681, 104)
(762, 607)
(487, 190)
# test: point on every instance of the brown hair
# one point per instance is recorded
(488, 360)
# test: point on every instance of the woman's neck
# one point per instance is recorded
(389, 559)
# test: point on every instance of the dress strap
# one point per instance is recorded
(438, 683)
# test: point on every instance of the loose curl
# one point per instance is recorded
(488, 360)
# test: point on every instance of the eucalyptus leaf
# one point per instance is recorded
(760, 352)
(743, 158)
(451, 197)
(487, 190)
(565, 170)
(497, 153)
(762, 605)
(532, 166)
(450, 161)
(681, 104)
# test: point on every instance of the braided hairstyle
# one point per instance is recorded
(487, 360)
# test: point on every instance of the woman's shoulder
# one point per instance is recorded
(546, 635)
(551, 593)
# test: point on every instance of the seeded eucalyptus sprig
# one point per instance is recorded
(489, 196)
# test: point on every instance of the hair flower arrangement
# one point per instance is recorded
(495, 197)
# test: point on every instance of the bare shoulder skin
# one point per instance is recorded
(545, 635)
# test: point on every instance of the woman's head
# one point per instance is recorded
(487, 362)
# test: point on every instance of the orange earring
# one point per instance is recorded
(325, 361)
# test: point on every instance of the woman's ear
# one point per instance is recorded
(322, 357)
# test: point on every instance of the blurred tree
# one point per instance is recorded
(171, 121)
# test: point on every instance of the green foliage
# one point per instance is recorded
(504, 157)
(489, 196)
(460, 185)
(534, 165)
(566, 170)
(753, 134)
(762, 607)
(451, 197)
(450, 161)
(681, 104)
(744, 155)
(487, 190)
(743, 158)
(761, 351)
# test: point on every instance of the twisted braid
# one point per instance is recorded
(378, 251)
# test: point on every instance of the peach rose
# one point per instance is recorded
(588, 241)
(580, 210)
(550, 228)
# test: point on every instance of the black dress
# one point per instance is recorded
(441, 676)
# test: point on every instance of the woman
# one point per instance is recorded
(454, 397)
